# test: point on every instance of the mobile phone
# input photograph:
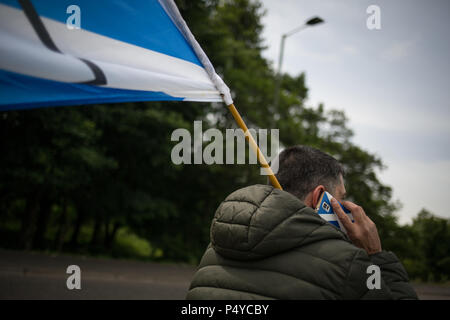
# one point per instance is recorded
(326, 212)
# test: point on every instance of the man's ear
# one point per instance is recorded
(316, 193)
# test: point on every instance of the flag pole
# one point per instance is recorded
(260, 156)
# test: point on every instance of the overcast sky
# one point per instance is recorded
(392, 83)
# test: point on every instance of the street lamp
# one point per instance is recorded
(311, 22)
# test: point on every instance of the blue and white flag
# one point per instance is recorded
(72, 52)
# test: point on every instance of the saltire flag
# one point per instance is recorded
(124, 50)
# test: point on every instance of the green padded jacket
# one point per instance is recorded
(266, 244)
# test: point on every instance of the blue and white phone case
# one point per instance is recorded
(325, 210)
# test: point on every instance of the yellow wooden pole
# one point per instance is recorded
(261, 159)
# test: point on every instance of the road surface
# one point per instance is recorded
(25, 275)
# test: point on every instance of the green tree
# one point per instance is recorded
(433, 244)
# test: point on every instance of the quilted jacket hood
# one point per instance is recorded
(260, 221)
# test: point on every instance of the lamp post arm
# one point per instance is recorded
(290, 33)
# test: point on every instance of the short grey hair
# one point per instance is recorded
(302, 168)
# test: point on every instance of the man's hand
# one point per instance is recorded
(363, 232)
